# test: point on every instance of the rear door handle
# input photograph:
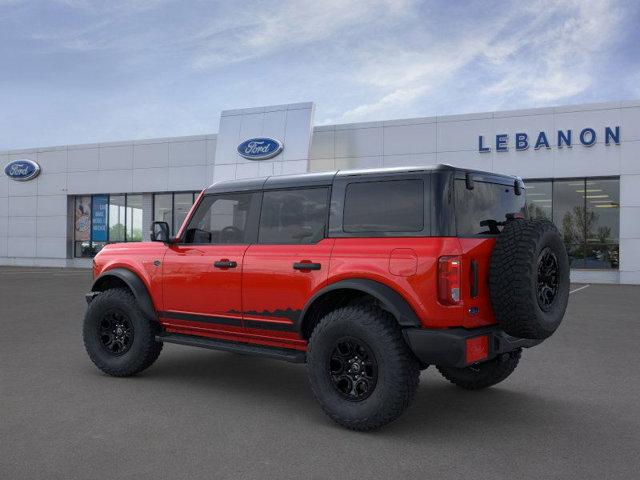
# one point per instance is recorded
(306, 266)
(225, 264)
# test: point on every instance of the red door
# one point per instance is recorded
(287, 265)
(202, 289)
(202, 273)
(277, 282)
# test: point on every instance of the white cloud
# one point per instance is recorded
(253, 33)
(398, 98)
(554, 63)
(160, 68)
(404, 77)
(543, 52)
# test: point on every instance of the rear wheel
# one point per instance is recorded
(119, 339)
(360, 369)
(483, 375)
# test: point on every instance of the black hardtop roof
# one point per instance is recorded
(327, 178)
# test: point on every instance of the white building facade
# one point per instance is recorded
(581, 165)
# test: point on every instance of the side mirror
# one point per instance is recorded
(160, 232)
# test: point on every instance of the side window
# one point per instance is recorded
(385, 206)
(293, 216)
(220, 219)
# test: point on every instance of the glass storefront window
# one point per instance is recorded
(603, 223)
(163, 208)
(182, 203)
(134, 218)
(539, 199)
(569, 216)
(172, 208)
(117, 218)
(103, 219)
(587, 213)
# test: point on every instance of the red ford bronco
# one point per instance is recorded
(367, 276)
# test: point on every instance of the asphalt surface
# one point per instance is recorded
(570, 410)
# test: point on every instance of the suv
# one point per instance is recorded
(367, 276)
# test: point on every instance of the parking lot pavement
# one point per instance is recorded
(570, 410)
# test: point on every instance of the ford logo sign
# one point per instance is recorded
(260, 148)
(22, 170)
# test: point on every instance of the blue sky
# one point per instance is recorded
(77, 71)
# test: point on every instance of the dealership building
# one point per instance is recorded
(581, 165)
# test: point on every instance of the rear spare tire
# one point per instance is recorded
(529, 278)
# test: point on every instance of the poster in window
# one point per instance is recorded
(99, 218)
(83, 219)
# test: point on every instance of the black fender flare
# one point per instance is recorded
(389, 299)
(135, 284)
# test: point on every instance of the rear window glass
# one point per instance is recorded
(483, 210)
(388, 206)
(294, 216)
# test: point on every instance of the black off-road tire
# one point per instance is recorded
(398, 371)
(143, 349)
(517, 267)
(483, 375)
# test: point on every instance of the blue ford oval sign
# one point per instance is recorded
(22, 170)
(260, 148)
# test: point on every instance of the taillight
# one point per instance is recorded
(449, 280)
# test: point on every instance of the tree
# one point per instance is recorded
(116, 233)
(577, 223)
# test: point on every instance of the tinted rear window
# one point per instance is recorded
(386, 206)
(294, 216)
(481, 211)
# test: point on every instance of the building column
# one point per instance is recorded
(629, 229)
(147, 215)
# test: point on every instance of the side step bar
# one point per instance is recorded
(289, 355)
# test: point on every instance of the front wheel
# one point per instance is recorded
(483, 375)
(119, 339)
(360, 369)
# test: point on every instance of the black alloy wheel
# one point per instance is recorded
(548, 280)
(353, 369)
(115, 332)
(119, 338)
(361, 370)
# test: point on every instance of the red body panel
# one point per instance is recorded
(139, 258)
(193, 285)
(260, 300)
(273, 291)
(478, 249)
(386, 260)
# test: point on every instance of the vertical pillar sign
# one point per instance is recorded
(99, 220)
(82, 219)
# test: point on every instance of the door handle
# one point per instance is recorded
(225, 264)
(306, 266)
